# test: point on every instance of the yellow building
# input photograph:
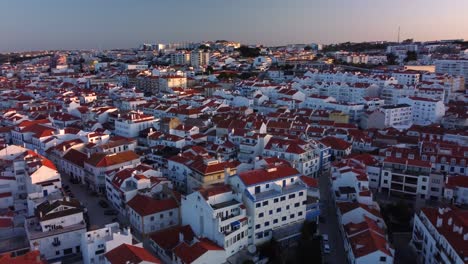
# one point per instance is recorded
(338, 117)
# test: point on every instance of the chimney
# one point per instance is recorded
(64, 148)
(181, 237)
(439, 222)
(89, 155)
(450, 221)
(227, 174)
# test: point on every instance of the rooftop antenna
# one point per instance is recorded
(398, 34)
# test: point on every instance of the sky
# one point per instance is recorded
(103, 24)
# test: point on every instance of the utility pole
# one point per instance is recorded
(398, 34)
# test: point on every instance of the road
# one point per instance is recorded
(330, 224)
(97, 218)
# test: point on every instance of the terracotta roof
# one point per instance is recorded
(126, 253)
(76, 157)
(190, 253)
(168, 238)
(266, 175)
(144, 205)
(214, 189)
(310, 182)
(32, 257)
(106, 160)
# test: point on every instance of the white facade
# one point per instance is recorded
(425, 111)
(94, 244)
(439, 236)
(275, 199)
(221, 217)
(397, 115)
(453, 67)
(132, 123)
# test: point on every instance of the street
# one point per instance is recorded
(97, 218)
(330, 224)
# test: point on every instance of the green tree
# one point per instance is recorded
(391, 59)
(411, 56)
(209, 70)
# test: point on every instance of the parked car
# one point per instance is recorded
(325, 237)
(326, 248)
(103, 204)
(111, 212)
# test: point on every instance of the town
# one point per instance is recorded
(223, 152)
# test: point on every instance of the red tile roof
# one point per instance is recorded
(144, 205)
(261, 175)
(190, 253)
(32, 257)
(106, 160)
(168, 238)
(126, 253)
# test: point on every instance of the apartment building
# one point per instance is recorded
(56, 228)
(453, 67)
(276, 200)
(217, 213)
(425, 111)
(440, 235)
(95, 243)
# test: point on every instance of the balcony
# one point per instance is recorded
(56, 243)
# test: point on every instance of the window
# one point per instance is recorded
(258, 205)
(265, 203)
(297, 204)
(287, 207)
(292, 216)
(275, 221)
(267, 186)
(275, 200)
(283, 218)
(278, 210)
(260, 215)
(301, 193)
(383, 259)
(292, 196)
(257, 226)
(283, 198)
(152, 218)
(267, 223)
(161, 216)
(270, 212)
(299, 214)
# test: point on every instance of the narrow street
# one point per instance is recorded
(330, 224)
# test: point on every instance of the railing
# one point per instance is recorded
(56, 243)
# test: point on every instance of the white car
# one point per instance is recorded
(326, 248)
(325, 237)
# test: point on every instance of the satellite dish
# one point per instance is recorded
(252, 249)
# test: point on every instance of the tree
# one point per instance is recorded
(391, 59)
(411, 56)
(307, 48)
(249, 52)
(209, 70)
(407, 41)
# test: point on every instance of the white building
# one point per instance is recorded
(94, 244)
(147, 214)
(410, 177)
(199, 58)
(453, 67)
(440, 235)
(218, 214)
(397, 115)
(456, 189)
(275, 199)
(425, 111)
(57, 228)
(130, 124)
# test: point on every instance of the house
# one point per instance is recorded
(127, 253)
(99, 164)
(276, 201)
(179, 245)
(56, 228)
(95, 243)
(440, 235)
(217, 213)
(147, 214)
(339, 148)
(456, 189)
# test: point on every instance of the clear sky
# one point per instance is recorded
(70, 24)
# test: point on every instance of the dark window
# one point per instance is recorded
(283, 218)
(283, 198)
(258, 205)
(265, 203)
(301, 193)
(296, 204)
(275, 221)
(275, 200)
(291, 196)
(291, 216)
(278, 210)
(267, 223)
(257, 226)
